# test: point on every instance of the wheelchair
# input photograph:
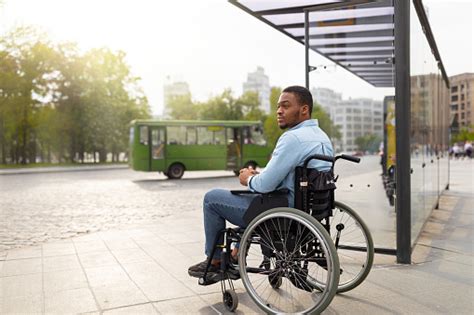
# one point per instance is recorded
(294, 260)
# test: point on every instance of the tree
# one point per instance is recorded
(369, 142)
(182, 107)
(465, 134)
(270, 126)
(58, 104)
(325, 122)
(222, 107)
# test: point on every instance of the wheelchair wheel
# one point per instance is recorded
(231, 300)
(354, 246)
(281, 265)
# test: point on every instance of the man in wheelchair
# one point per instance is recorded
(302, 139)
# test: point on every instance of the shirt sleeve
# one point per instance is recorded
(283, 161)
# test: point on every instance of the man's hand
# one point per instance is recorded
(245, 173)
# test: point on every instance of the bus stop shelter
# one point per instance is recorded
(387, 43)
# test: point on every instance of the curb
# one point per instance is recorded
(64, 169)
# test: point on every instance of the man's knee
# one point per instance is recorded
(213, 195)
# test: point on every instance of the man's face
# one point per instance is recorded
(289, 111)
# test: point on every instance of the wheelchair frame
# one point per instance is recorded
(320, 250)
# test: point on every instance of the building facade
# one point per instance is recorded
(462, 99)
(170, 90)
(327, 98)
(258, 82)
(357, 118)
(354, 117)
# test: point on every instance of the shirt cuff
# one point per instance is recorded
(248, 182)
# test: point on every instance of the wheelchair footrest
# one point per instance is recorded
(215, 277)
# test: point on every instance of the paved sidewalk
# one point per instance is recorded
(144, 271)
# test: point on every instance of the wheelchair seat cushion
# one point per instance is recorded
(263, 202)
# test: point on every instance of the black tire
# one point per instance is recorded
(355, 264)
(175, 171)
(230, 300)
(288, 236)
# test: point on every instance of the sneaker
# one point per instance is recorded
(198, 270)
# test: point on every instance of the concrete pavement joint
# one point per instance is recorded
(97, 304)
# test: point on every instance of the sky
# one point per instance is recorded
(213, 45)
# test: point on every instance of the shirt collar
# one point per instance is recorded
(306, 123)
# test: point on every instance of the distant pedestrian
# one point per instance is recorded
(468, 149)
(456, 150)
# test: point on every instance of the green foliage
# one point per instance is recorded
(369, 142)
(325, 122)
(270, 126)
(465, 134)
(57, 104)
(221, 107)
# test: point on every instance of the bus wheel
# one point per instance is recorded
(175, 171)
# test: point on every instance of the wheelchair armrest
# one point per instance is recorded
(283, 191)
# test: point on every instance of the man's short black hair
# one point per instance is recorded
(303, 95)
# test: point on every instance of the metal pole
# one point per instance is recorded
(402, 129)
(306, 47)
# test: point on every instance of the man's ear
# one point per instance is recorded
(305, 109)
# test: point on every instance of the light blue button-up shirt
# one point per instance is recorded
(292, 148)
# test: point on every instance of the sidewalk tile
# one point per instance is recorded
(22, 305)
(121, 244)
(131, 255)
(58, 249)
(143, 309)
(106, 275)
(23, 285)
(21, 267)
(188, 305)
(63, 281)
(90, 246)
(71, 301)
(23, 253)
(246, 304)
(97, 259)
(152, 279)
(118, 294)
(58, 263)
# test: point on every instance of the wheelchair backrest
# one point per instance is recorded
(314, 191)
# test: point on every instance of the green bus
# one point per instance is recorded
(173, 146)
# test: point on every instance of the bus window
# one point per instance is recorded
(257, 136)
(176, 134)
(210, 135)
(132, 133)
(191, 135)
(157, 143)
(144, 135)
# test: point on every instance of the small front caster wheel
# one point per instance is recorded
(231, 300)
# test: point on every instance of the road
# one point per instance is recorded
(39, 207)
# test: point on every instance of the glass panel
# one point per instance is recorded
(429, 121)
(132, 134)
(144, 135)
(349, 40)
(354, 49)
(356, 57)
(191, 136)
(158, 143)
(340, 29)
(259, 5)
(292, 18)
(210, 135)
(176, 135)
